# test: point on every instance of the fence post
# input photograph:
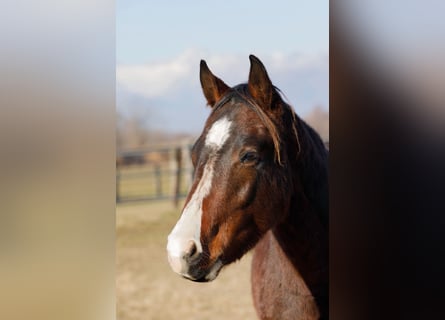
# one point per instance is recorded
(158, 180)
(187, 164)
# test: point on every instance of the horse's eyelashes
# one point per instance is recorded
(249, 157)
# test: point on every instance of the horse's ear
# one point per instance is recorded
(260, 86)
(213, 87)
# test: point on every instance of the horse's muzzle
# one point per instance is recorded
(186, 259)
(182, 254)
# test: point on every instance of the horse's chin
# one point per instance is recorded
(208, 276)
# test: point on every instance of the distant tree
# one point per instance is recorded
(131, 132)
(120, 139)
(318, 118)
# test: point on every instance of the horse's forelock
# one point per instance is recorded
(242, 92)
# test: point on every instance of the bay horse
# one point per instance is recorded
(261, 181)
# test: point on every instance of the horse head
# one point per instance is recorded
(241, 182)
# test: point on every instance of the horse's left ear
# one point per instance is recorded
(212, 86)
(260, 86)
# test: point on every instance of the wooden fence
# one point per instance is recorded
(160, 172)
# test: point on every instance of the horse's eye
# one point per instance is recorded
(249, 157)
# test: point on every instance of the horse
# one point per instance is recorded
(260, 182)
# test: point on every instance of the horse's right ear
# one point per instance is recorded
(213, 87)
(259, 85)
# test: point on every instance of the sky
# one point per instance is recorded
(159, 46)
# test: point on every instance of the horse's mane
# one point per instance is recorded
(314, 173)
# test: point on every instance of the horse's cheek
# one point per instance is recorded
(242, 191)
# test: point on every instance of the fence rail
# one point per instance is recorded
(163, 172)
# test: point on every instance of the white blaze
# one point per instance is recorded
(189, 225)
(218, 133)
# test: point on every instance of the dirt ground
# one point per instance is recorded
(146, 287)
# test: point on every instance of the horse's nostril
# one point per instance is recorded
(192, 249)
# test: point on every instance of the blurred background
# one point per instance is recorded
(161, 111)
(159, 103)
(73, 73)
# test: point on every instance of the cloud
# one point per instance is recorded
(172, 86)
(154, 79)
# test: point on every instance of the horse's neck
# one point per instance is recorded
(303, 236)
(304, 241)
